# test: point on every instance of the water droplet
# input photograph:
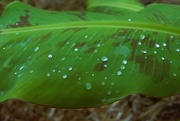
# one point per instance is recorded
(155, 52)
(63, 58)
(4, 48)
(17, 32)
(112, 83)
(50, 56)
(144, 51)
(103, 83)
(178, 50)
(36, 49)
(105, 65)
(139, 43)
(53, 70)
(31, 71)
(48, 75)
(95, 51)
(164, 44)
(98, 45)
(85, 36)
(122, 67)
(143, 36)
(162, 58)
(67, 43)
(104, 58)
(119, 73)
(15, 73)
(157, 45)
(17, 24)
(70, 68)
(88, 86)
(124, 62)
(109, 92)
(75, 49)
(92, 74)
(21, 68)
(171, 37)
(174, 74)
(105, 77)
(129, 19)
(64, 76)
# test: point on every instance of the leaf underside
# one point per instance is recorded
(85, 59)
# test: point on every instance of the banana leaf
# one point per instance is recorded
(89, 58)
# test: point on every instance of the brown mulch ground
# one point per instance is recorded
(132, 108)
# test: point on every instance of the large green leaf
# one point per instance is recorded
(85, 59)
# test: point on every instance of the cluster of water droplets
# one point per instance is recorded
(122, 67)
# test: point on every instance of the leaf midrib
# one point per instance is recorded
(96, 24)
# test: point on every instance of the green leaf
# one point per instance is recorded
(123, 5)
(114, 7)
(86, 59)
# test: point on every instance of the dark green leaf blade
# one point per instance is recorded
(114, 7)
(85, 59)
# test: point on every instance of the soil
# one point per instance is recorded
(135, 107)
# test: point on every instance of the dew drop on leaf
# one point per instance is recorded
(103, 83)
(64, 76)
(124, 62)
(63, 58)
(104, 58)
(21, 68)
(109, 92)
(48, 75)
(31, 71)
(144, 51)
(139, 43)
(164, 44)
(86, 36)
(119, 73)
(157, 45)
(88, 86)
(162, 58)
(70, 68)
(122, 67)
(178, 50)
(112, 83)
(36, 49)
(174, 74)
(75, 49)
(143, 36)
(50, 56)
(98, 45)
(95, 51)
